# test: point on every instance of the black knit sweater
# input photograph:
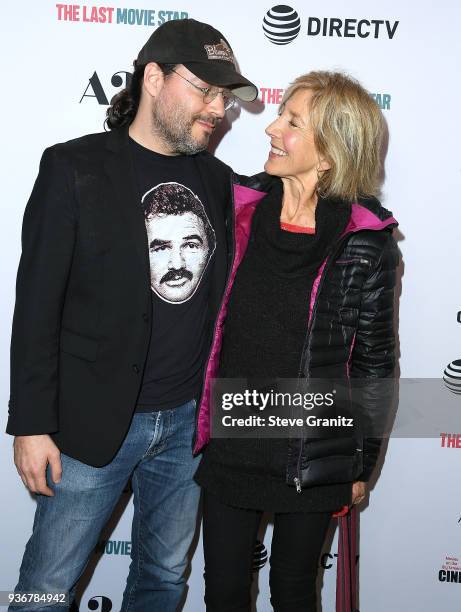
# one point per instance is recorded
(264, 335)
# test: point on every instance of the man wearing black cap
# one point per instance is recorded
(105, 370)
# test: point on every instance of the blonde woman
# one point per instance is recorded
(310, 295)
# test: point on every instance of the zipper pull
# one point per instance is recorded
(298, 484)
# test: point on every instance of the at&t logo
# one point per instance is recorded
(281, 24)
(452, 376)
(259, 556)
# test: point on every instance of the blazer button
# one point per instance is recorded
(145, 317)
(135, 368)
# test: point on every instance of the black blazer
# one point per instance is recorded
(82, 319)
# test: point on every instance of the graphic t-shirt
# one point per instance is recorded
(181, 244)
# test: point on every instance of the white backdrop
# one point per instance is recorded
(410, 530)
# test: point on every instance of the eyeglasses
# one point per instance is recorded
(210, 93)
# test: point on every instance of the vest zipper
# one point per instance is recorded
(329, 259)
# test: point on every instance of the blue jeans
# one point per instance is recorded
(157, 452)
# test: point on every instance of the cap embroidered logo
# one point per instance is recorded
(220, 51)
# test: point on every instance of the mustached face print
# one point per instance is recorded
(181, 241)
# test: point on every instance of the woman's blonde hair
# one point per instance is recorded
(348, 130)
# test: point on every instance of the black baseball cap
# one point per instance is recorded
(203, 50)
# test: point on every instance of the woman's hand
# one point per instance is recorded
(358, 492)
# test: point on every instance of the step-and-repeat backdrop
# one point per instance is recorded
(61, 65)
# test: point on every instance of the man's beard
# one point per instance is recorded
(173, 125)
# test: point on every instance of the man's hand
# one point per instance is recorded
(31, 456)
(358, 492)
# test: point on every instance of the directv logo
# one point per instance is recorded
(281, 24)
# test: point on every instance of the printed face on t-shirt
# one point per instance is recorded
(179, 247)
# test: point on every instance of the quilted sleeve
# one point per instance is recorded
(373, 356)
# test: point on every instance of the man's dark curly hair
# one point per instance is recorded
(125, 104)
